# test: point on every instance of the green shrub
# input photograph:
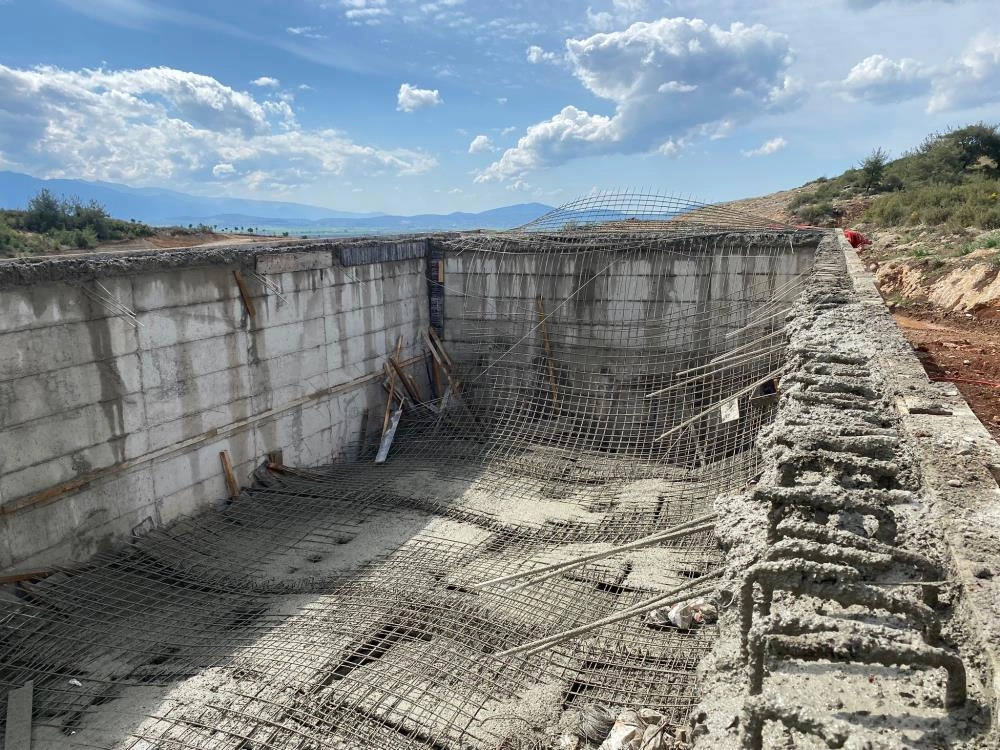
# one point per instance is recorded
(45, 213)
(873, 170)
(974, 203)
(991, 220)
(801, 199)
(815, 213)
(58, 223)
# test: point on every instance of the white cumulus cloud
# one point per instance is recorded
(162, 125)
(368, 12)
(410, 98)
(266, 82)
(667, 79)
(223, 169)
(884, 81)
(767, 148)
(971, 80)
(537, 55)
(480, 144)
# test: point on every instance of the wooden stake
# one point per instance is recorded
(227, 469)
(438, 380)
(440, 357)
(543, 325)
(440, 345)
(388, 404)
(245, 295)
(408, 384)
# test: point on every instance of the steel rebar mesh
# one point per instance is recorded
(335, 607)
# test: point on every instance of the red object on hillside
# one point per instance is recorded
(856, 238)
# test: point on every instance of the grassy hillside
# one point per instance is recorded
(52, 225)
(951, 181)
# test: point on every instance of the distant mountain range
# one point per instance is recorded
(163, 207)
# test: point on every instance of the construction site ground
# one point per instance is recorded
(959, 347)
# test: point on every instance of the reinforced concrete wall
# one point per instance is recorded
(110, 427)
(653, 288)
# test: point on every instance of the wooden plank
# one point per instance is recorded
(289, 262)
(26, 575)
(386, 444)
(543, 325)
(408, 384)
(436, 355)
(245, 295)
(227, 469)
(454, 386)
(412, 384)
(18, 733)
(388, 403)
(440, 345)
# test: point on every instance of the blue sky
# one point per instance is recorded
(408, 106)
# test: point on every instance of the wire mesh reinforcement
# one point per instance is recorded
(617, 359)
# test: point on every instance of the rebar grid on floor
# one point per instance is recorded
(337, 608)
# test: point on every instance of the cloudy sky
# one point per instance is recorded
(407, 106)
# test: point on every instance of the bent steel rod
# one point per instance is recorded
(770, 376)
(578, 563)
(678, 530)
(749, 345)
(739, 362)
(677, 594)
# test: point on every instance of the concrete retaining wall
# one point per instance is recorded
(111, 426)
(130, 417)
(655, 293)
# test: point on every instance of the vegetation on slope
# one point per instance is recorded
(51, 224)
(952, 180)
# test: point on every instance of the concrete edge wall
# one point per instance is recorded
(960, 464)
(19, 272)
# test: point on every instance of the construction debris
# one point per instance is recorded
(685, 614)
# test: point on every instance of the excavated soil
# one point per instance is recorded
(958, 348)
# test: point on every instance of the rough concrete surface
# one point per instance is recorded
(841, 330)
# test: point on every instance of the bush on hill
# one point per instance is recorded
(952, 178)
(49, 224)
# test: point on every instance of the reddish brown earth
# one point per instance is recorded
(959, 347)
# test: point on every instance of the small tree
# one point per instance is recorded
(45, 212)
(873, 169)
